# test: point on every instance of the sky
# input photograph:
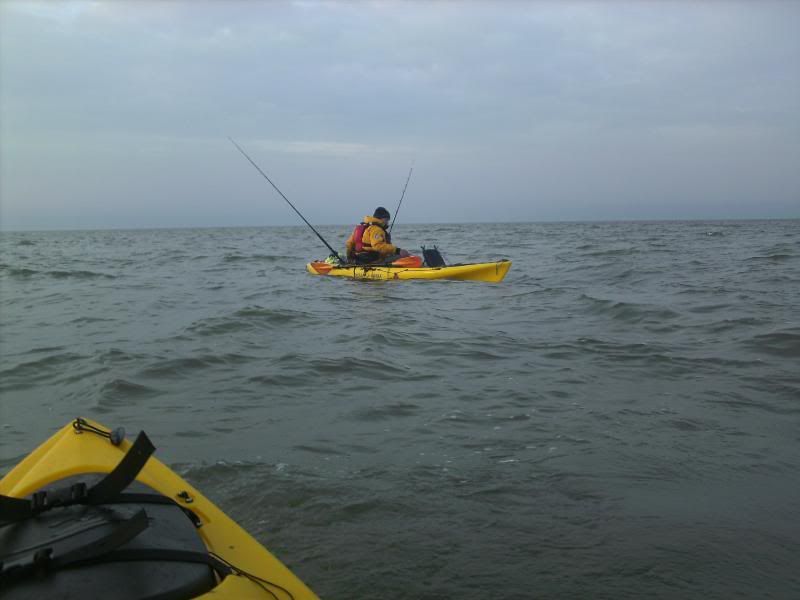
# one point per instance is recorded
(117, 114)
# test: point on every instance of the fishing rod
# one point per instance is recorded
(411, 170)
(322, 239)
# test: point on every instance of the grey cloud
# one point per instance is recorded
(612, 97)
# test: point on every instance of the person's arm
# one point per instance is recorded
(377, 239)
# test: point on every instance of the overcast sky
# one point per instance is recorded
(116, 114)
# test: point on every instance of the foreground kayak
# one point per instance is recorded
(89, 514)
(493, 272)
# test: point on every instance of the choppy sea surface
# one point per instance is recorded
(620, 418)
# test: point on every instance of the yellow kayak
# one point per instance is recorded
(90, 514)
(493, 272)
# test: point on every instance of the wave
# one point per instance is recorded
(783, 390)
(525, 279)
(17, 271)
(177, 367)
(32, 373)
(271, 314)
(634, 276)
(732, 324)
(80, 275)
(84, 319)
(615, 252)
(280, 380)
(628, 311)
(350, 366)
(47, 349)
(385, 412)
(120, 393)
(255, 317)
(475, 354)
(115, 356)
(660, 359)
(228, 258)
(708, 308)
(771, 258)
(318, 450)
(128, 389)
(780, 343)
(56, 274)
(740, 402)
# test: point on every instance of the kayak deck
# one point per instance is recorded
(74, 453)
(492, 272)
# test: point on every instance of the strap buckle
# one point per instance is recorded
(37, 563)
(64, 496)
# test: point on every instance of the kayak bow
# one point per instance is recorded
(140, 531)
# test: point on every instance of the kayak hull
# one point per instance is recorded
(492, 272)
(69, 453)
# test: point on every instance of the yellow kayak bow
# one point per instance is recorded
(140, 531)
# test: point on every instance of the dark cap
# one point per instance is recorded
(381, 213)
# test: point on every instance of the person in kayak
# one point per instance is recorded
(370, 241)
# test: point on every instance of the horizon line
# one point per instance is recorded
(302, 225)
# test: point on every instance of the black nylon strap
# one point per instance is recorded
(18, 509)
(124, 473)
(43, 560)
(121, 534)
(145, 498)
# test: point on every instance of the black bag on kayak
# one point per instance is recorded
(101, 536)
(432, 257)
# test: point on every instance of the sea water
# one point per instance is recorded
(620, 418)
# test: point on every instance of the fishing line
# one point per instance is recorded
(322, 239)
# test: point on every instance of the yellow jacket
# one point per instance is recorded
(375, 239)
